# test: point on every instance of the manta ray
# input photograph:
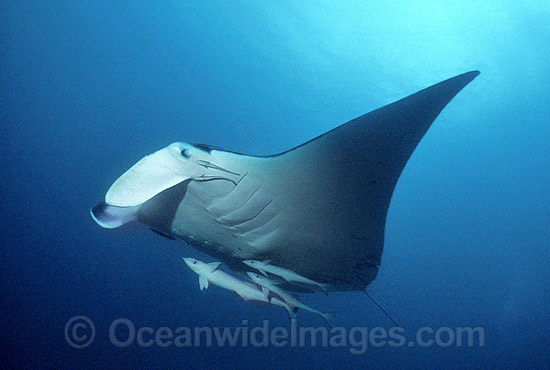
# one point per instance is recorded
(318, 209)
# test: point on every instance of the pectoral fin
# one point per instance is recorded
(203, 282)
(265, 291)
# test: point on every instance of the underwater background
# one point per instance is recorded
(87, 88)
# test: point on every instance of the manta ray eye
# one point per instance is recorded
(194, 262)
(184, 153)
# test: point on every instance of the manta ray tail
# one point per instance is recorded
(380, 307)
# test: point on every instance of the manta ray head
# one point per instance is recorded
(159, 171)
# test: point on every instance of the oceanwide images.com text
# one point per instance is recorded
(80, 333)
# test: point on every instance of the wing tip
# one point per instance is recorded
(462, 79)
(474, 73)
(470, 75)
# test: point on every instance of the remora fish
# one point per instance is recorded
(209, 273)
(290, 299)
(288, 275)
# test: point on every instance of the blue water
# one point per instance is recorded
(87, 88)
